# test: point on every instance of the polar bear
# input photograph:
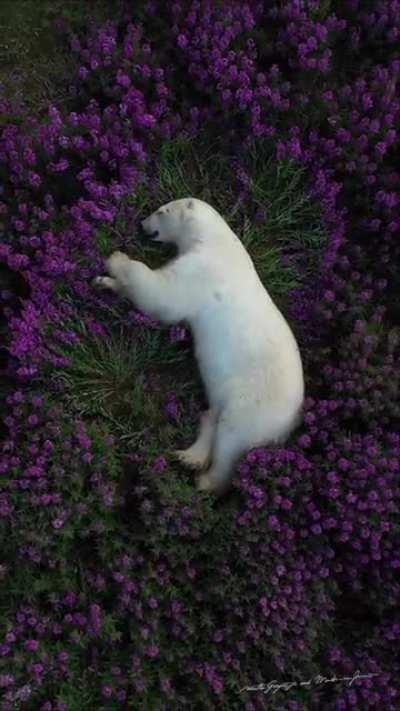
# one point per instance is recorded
(248, 357)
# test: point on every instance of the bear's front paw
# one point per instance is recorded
(115, 262)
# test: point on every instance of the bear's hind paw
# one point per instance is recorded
(191, 459)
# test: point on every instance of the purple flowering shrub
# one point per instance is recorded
(120, 585)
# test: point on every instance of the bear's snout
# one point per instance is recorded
(143, 225)
(146, 228)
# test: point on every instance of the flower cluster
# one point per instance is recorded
(119, 583)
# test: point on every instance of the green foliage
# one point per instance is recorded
(31, 58)
(291, 220)
(36, 63)
(190, 167)
(105, 380)
(77, 696)
(104, 241)
(279, 188)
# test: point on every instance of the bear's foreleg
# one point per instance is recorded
(154, 292)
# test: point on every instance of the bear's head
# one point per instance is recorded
(182, 222)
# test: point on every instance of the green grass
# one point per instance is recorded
(201, 168)
(292, 220)
(105, 381)
(279, 189)
(35, 65)
(190, 167)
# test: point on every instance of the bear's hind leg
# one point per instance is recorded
(229, 444)
(198, 455)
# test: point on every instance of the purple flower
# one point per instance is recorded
(58, 523)
(159, 464)
(152, 651)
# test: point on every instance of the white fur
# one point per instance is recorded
(247, 354)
